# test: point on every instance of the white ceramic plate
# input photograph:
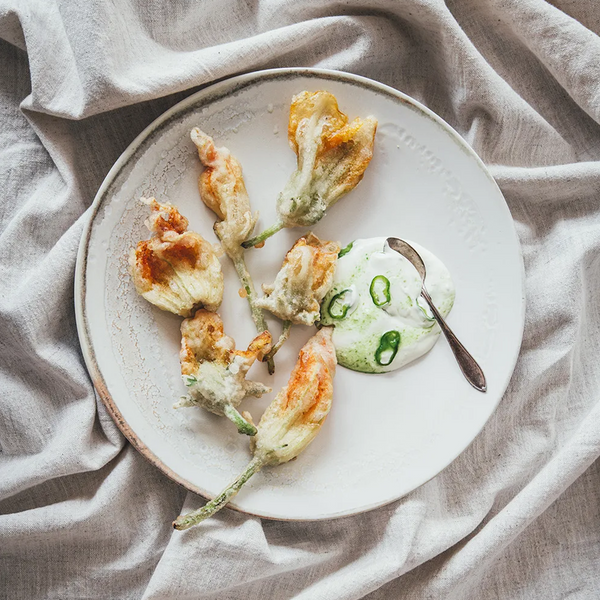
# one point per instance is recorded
(386, 434)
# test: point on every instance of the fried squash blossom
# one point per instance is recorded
(215, 372)
(303, 281)
(333, 155)
(176, 269)
(290, 423)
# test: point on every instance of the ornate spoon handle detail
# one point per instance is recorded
(468, 365)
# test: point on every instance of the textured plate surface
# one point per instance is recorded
(386, 434)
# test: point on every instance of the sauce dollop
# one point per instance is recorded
(381, 322)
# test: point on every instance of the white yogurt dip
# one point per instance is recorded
(381, 323)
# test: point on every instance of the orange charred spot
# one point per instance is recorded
(168, 219)
(342, 135)
(323, 394)
(260, 345)
(151, 268)
(308, 369)
(209, 191)
(189, 364)
(182, 253)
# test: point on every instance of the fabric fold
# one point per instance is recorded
(83, 515)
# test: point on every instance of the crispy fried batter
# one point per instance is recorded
(304, 279)
(289, 424)
(151, 268)
(222, 189)
(310, 105)
(203, 338)
(314, 371)
(299, 410)
(214, 370)
(175, 269)
(165, 217)
(332, 157)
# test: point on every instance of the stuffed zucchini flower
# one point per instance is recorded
(290, 422)
(332, 157)
(303, 281)
(223, 190)
(215, 372)
(176, 269)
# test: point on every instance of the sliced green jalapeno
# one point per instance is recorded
(345, 250)
(340, 305)
(380, 290)
(388, 348)
(425, 315)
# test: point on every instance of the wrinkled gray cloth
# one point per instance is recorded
(83, 515)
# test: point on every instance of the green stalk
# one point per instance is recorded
(208, 510)
(257, 313)
(285, 334)
(241, 423)
(266, 234)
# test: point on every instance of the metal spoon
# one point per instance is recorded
(468, 365)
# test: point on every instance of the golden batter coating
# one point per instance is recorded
(290, 422)
(222, 189)
(176, 270)
(316, 119)
(203, 339)
(302, 405)
(214, 371)
(303, 281)
(332, 157)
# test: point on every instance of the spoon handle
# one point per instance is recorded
(468, 365)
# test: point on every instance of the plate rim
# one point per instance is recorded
(232, 84)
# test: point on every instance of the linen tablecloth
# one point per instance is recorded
(83, 515)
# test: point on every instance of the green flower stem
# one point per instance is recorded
(261, 237)
(285, 334)
(257, 313)
(197, 516)
(241, 423)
